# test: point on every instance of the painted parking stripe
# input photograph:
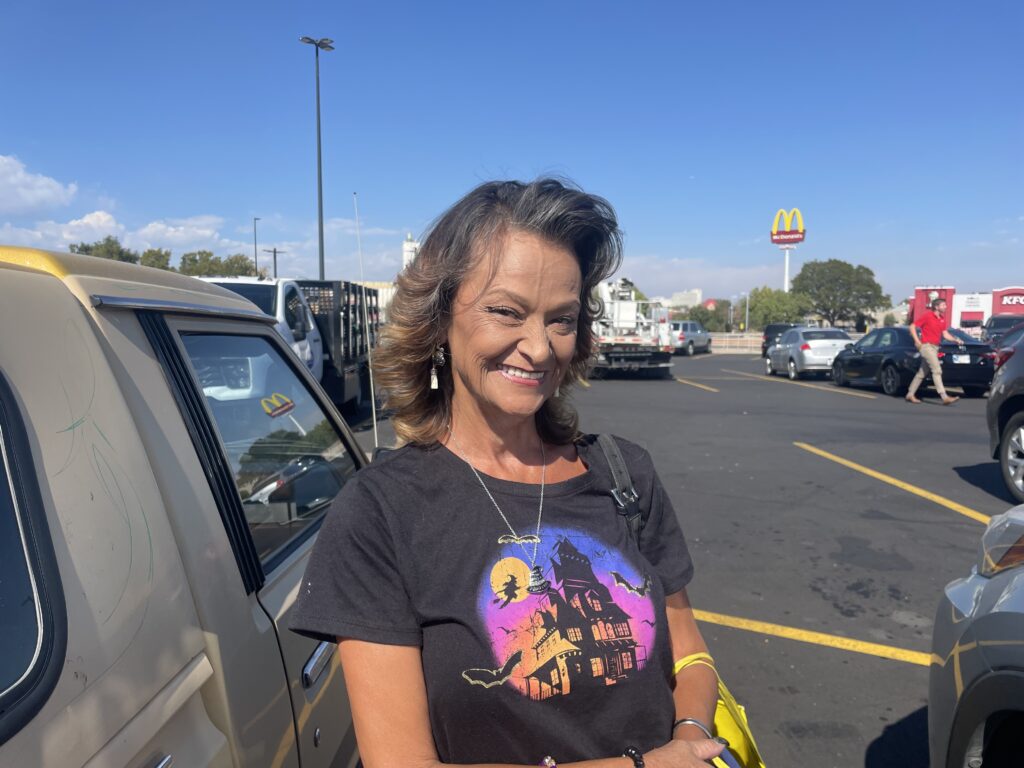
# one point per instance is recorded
(833, 390)
(815, 638)
(942, 501)
(695, 384)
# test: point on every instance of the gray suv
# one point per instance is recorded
(689, 337)
(1005, 416)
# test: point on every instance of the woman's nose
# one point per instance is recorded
(536, 344)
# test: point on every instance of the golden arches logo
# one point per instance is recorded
(276, 405)
(788, 234)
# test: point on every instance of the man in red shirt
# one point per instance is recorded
(928, 331)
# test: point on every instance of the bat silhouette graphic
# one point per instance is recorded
(621, 581)
(510, 539)
(648, 622)
(488, 678)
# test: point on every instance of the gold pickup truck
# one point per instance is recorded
(165, 465)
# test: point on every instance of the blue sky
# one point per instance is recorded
(896, 127)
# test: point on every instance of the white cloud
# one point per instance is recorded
(23, 192)
(59, 235)
(348, 227)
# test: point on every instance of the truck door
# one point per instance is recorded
(284, 454)
(308, 344)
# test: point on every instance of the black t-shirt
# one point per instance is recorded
(413, 552)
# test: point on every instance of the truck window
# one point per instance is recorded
(294, 312)
(31, 602)
(287, 460)
(262, 295)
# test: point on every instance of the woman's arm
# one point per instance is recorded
(389, 709)
(696, 686)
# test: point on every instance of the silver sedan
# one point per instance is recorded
(805, 350)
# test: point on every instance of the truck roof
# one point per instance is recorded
(252, 280)
(96, 281)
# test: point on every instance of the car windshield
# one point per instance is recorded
(827, 334)
(263, 296)
(1012, 337)
(1002, 323)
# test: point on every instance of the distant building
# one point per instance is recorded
(409, 250)
(681, 299)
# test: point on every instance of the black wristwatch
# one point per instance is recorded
(635, 755)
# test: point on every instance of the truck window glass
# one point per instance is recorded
(22, 635)
(287, 459)
(263, 296)
(293, 308)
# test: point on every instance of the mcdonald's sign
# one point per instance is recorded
(276, 405)
(788, 235)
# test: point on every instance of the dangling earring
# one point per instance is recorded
(438, 362)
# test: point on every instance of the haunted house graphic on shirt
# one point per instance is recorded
(592, 627)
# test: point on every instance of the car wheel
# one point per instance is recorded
(768, 370)
(791, 370)
(891, 383)
(839, 376)
(689, 349)
(974, 391)
(1011, 456)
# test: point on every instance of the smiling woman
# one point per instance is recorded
(482, 568)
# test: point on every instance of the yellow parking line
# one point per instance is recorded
(933, 497)
(833, 390)
(695, 384)
(815, 638)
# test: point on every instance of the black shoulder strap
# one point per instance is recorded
(625, 495)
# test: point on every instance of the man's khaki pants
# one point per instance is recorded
(929, 362)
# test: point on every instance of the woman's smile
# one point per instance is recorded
(522, 377)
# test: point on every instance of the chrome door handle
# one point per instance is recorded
(317, 664)
(164, 762)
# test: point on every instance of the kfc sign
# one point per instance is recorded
(1008, 301)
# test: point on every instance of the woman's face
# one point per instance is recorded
(513, 327)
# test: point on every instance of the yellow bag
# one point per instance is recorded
(730, 718)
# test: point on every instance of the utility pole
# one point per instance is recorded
(274, 251)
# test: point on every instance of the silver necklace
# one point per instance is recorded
(538, 584)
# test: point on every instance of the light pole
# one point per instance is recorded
(326, 44)
(255, 252)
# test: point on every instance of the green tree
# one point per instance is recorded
(158, 258)
(107, 248)
(205, 264)
(239, 265)
(769, 305)
(840, 291)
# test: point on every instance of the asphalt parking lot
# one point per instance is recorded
(824, 524)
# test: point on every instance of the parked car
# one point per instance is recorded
(888, 358)
(145, 605)
(976, 678)
(999, 324)
(805, 350)
(771, 335)
(1005, 415)
(689, 337)
(1007, 338)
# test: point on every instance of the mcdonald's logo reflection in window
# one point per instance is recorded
(276, 405)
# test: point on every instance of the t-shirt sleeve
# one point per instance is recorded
(662, 542)
(353, 586)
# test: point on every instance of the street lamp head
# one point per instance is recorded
(324, 43)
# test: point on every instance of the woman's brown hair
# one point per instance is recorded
(420, 311)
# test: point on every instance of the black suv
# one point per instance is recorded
(772, 332)
(1005, 415)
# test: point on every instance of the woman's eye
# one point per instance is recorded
(503, 312)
